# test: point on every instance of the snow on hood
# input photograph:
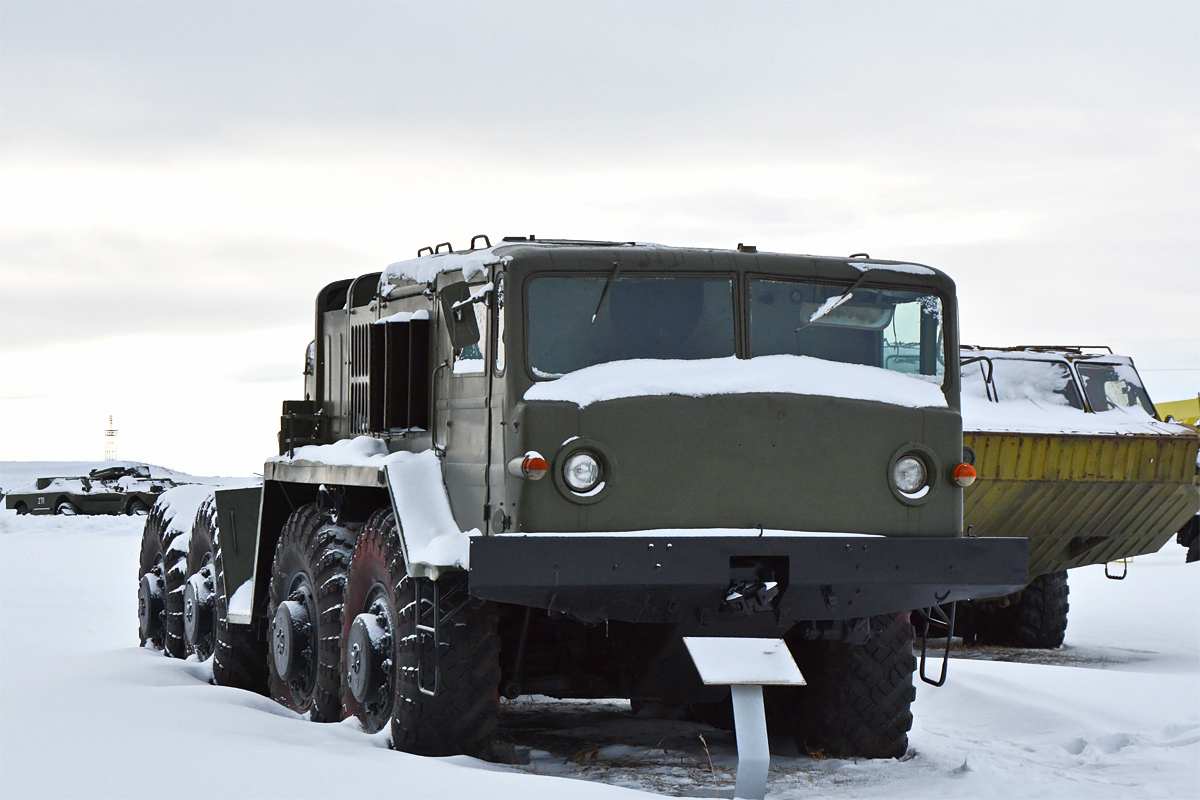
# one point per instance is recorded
(425, 269)
(1029, 415)
(784, 374)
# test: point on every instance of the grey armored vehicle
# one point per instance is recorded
(119, 489)
(535, 467)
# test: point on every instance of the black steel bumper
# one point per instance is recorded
(685, 579)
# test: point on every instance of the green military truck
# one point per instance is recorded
(1070, 452)
(534, 467)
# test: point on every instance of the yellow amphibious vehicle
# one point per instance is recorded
(1071, 453)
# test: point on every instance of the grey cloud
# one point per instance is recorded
(572, 77)
(75, 288)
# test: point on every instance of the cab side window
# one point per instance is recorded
(471, 360)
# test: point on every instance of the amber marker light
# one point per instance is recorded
(531, 466)
(964, 475)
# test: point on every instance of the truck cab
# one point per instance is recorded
(602, 447)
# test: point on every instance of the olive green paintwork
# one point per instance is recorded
(1082, 499)
(789, 462)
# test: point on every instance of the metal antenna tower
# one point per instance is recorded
(110, 441)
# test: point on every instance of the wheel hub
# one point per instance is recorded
(367, 657)
(290, 634)
(150, 605)
(198, 606)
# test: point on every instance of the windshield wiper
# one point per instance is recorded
(830, 305)
(607, 285)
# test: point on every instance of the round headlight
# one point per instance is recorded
(581, 471)
(909, 474)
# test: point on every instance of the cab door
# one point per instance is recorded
(461, 418)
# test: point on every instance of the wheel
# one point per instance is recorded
(307, 580)
(66, 508)
(369, 623)
(1037, 618)
(137, 508)
(857, 701)
(1189, 537)
(239, 651)
(21, 509)
(447, 696)
(150, 588)
(175, 541)
(199, 587)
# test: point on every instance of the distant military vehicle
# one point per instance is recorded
(1069, 452)
(535, 467)
(119, 489)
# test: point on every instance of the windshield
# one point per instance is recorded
(1014, 379)
(1110, 386)
(642, 317)
(894, 329)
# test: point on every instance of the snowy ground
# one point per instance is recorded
(85, 712)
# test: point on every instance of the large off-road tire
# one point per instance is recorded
(137, 508)
(239, 651)
(21, 509)
(857, 701)
(305, 613)
(150, 587)
(369, 644)
(240, 656)
(175, 539)
(460, 718)
(199, 588)
(1037, 619)
(1188, 537)
(66, 508)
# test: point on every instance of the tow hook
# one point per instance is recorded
(937, 616)
(750, 597)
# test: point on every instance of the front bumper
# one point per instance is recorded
(684, 577)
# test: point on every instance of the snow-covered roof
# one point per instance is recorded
(426, 268)
(474, 263)
(786, 374)
(863, 265)
(1029, 415)
(1043, 354)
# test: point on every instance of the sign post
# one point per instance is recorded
(745, 666)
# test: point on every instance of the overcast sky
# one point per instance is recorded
(177, 180)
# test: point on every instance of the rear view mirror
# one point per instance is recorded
(459, 315)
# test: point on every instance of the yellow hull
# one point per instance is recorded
(1081, 499)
